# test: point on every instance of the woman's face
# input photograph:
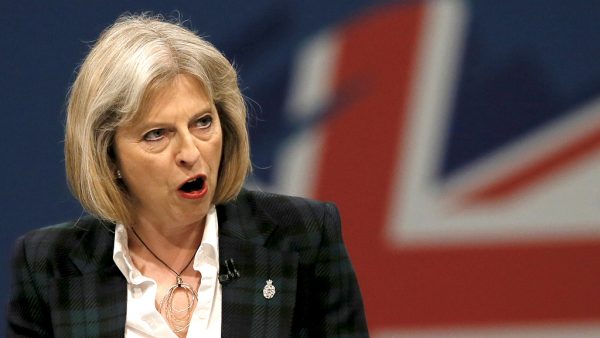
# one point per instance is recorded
(170, 159)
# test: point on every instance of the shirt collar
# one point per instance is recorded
(207, 251)
(209, 247)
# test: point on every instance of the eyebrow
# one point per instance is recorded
(208, 110)
(145, 124)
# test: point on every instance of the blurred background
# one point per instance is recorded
(460, 140)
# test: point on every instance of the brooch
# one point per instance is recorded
(269, 290)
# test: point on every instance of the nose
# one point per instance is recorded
(187, 153)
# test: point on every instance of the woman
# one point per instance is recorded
(157, 150)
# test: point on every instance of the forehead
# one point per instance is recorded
(183, 92)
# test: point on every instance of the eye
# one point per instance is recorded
(154, 135)
(204, 122)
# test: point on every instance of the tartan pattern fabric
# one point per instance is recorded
(296, 243)
(65, 283)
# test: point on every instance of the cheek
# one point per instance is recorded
(130, 161)
(219, 150)
(125, 154)
(141, 169)
(218, 154)
(214, 148)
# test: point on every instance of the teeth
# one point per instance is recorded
(192, 180)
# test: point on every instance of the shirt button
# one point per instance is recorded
(137, 292)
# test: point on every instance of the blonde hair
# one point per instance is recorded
(134, 56)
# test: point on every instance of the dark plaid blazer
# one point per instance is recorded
(65, 283)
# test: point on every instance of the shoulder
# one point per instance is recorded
(53, 243)
(287, 211)
(286, 208)
(63, 234)
(291, 222)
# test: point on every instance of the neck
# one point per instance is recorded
(173, 244)
(173, 232)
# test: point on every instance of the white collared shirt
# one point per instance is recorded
(143, 319)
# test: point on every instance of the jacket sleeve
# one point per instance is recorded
(341, 311)
(27, 314)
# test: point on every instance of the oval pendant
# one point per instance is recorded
(178, 318)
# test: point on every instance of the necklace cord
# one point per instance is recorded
(160, 260)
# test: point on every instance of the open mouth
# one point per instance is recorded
(193, 185)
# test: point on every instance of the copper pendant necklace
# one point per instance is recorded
(178, 319)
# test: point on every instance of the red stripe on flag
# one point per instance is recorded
(519, 180)
(361, 140)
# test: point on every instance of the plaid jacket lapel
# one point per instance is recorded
(243, 235)
(92, 302)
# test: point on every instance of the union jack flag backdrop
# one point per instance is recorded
(461, 142)
(459, 138)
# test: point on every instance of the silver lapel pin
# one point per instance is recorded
(269, 290)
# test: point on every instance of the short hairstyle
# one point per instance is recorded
(132, 57)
